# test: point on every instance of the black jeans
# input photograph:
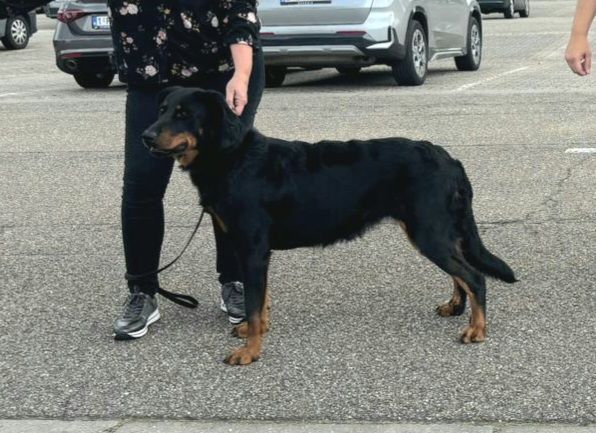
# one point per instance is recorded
(146, 179)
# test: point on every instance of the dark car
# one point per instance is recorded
(507, 7)
(83, 43)
(17, 28)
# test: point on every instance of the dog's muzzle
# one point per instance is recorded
(149, 140)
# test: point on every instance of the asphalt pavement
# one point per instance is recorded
(355, 343)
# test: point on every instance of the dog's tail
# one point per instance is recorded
(473, 249)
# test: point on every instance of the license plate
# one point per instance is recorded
(305, 2)
(100, 22)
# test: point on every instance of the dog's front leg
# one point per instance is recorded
(255, 265)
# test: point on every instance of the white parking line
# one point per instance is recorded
(491, 78)
(581, 150)
(528, 33)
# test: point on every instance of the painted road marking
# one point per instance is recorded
(581, 150)
(491, 78)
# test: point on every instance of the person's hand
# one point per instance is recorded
(578, 54)
(237, 92)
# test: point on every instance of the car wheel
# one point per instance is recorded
(17, 33)
(94, 80)
(510, 11)
(348, 70)
(275, 75)
(525, 12)
(411, 71)
(471, 61)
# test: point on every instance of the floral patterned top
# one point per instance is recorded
(160, 41)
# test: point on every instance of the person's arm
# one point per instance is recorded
(237, 87)
(241, 33)
(578, 53)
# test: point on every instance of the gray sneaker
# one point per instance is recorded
(140, 311)
(232, 301)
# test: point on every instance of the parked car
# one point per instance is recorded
(351, 34)
(83, 43)
(52, 8)
(17, 29)
(507, 7)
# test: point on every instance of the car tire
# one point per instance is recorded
(471, 61)
(275, 75)
(17, 33)
(349, 70)
(94, 80)
(411, 71)
(525, 12)
(510, 10)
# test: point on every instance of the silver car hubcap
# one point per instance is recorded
(419, 52)
(18, 31)
(476, 43)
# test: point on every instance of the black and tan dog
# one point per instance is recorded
(269, 194)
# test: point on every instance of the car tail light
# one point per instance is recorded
(70, 15)
(351, 33)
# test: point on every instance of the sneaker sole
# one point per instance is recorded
(154, 317)
(233, 319)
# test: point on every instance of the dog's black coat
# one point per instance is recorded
(275, 194)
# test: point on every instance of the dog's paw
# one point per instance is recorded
(449, 309)
(242, 356)
(473, 334)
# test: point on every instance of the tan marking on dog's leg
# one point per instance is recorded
(257, 326)
(475, 332)
(220, 223)
(241, 330)
(217, 219)
(254, 342)
(454, 306)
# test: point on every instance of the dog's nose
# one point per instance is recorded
(148, 138)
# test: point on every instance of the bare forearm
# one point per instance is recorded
(584, 14)
(242, 57)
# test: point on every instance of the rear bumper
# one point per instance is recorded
(373, 41)
(70, 61)
(74, 50)
(492, 5)
(324, 50)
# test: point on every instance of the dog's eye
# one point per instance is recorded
(162, 109)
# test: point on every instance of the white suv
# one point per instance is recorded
(351, 34)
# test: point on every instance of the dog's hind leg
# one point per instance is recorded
(457, 304)
(475, 332)
(435, 245)
(473, 284)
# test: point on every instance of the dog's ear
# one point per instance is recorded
(165, 92)
(229, 129)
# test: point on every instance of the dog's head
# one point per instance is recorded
(193, 122)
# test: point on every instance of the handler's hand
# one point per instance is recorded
(237, 93)
(578, 54)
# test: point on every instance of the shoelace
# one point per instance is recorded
(134, 305)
